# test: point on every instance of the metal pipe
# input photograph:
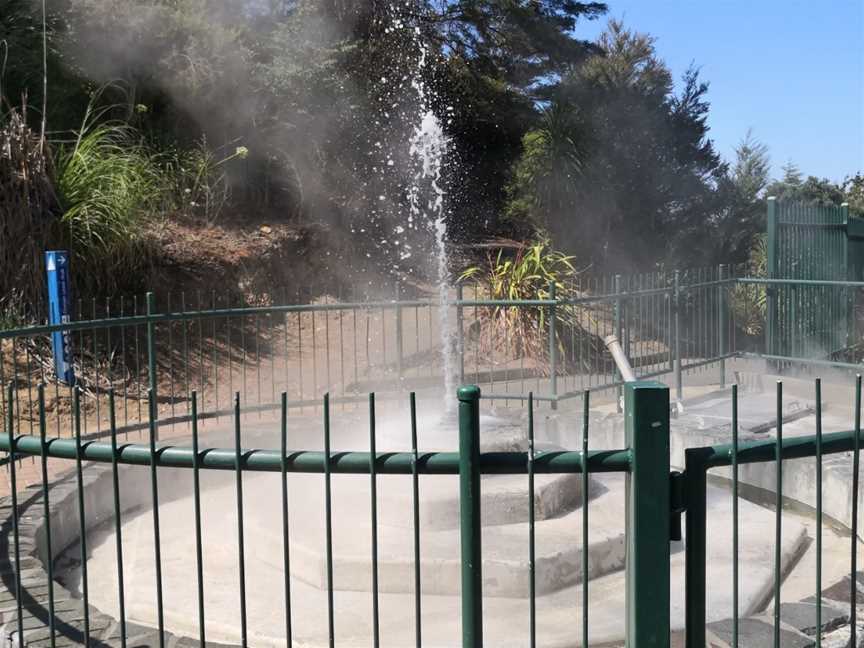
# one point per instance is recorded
(614, 345)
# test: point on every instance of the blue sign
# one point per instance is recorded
(59, 312)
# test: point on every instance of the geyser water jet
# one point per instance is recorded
(429, 148)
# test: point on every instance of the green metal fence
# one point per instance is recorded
(156, 366)
(693, 487)
(646, 460)
(697, 319)
(669, 323)
(655, 499)
(807, 243)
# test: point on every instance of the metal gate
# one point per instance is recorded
(811, 243)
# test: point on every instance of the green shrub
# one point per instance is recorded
(197, 180)
(111, 187)
(748, 301)
(526, 275)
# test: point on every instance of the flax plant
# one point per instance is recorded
(748, 301)
(530, 273)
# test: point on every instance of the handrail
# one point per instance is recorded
(356, 463)
(766, 451)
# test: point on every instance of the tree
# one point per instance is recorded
(732, 228)
(543, 189)
(648, 171)
(752, 169)
(853, 187)
(527, 44)
(22, 70)
(794, 188)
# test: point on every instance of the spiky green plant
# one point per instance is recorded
(111, 188)
(199, 185)
(528, 274)
(748, 301)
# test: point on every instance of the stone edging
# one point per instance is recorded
(69, 609)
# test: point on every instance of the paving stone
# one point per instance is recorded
(755, 632)
(842, 591)
(841, 637)
(803, 617)
(69, 611)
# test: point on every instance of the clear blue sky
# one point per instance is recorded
(791, 70)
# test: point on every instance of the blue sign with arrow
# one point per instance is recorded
(59, 312)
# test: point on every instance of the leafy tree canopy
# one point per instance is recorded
(631, 167)
(794, 187)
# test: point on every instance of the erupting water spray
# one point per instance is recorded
(429, 147)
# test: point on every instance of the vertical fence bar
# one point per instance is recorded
(154, 493)
(151, 364)
(553, 345)
(848, 324)
(13, 488)
(286, 550)
(770, 291)
(373, 507)
(818, 513)
(258, 358)
(721, 323)
(778, 514)
(328, 523)
(853, 558)
(82, 538)
(676, 311)
(696, 547)
(185, 330)
(171, 358)
(415, 487)
(241, 546)
(118, 524)
(586, 400)
(196, 495)
(648, 514)
(46, 512)
(734, 516)
(532, 567)
(469, 508)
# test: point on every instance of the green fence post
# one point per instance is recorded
(676, 307)
(469, 513)
(772, 269)
(846, 276)
(721, 323)
(648, 515)
(553, 345)
(460, 333)
(151, 359)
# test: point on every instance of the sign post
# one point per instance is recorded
(59, 309)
